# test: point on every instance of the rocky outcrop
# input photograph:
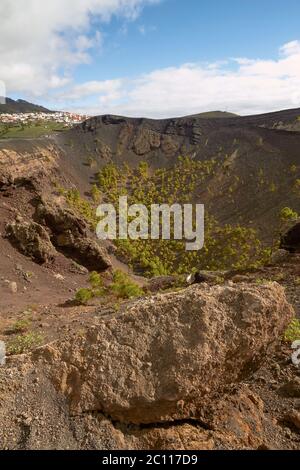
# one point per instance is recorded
(167, 357)
(238, 420)
(124, 139)
(160, 283)
(58, 228)
(86, 251)
(60, 219)
(146, 141)
(170, 145)
(103, 150)
(294, 418)
(290, 240)
(26, 163)
(279, 257)
(70, 234)
(32, 240)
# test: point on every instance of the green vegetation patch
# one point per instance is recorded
(29, 131)
(122, 287)
(24, 343)
(20, 326)
(83, 296)
(293, 331)
(226, 246)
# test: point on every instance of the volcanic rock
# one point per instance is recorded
(32, 240)
(71, 235)
(290, 241)
(166, 357)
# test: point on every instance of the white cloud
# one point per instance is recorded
(41, 41)
(238, 85)
(104, 89)
(291, 48)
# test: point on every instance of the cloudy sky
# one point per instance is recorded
(154, 58)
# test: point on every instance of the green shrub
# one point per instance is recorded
(144, 169)
(24, 343)
(293, 331)
(96, 194)
(95, 280)
(288, 214)
(20, 326)
(96, 284)
(99, 292)
(124, 287)
(83, 296)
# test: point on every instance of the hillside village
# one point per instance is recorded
(60, 117)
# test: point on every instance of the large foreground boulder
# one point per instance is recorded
(167, 357)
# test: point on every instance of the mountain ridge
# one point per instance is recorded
(21, 106)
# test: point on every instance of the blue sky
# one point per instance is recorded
(154, 58)
(182, 31)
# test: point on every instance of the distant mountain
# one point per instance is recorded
(215, 115)
(21, 106)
